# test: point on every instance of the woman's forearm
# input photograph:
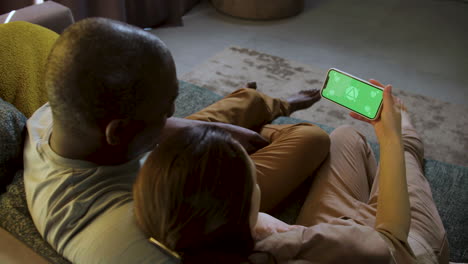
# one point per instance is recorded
(393, 208)
(175, 123)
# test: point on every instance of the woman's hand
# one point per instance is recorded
(268, 225)
(388, 125)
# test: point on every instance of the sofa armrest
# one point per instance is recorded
(49, 14)
(14, 251)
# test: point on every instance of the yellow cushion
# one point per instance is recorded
(24, 48)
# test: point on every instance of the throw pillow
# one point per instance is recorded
(23, 54)
(12, 128)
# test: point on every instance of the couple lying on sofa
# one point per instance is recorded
(197, 197)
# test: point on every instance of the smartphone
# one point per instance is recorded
(353, 93)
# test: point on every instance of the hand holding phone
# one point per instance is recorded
(385, 109)
(361, 97)
(388, 126)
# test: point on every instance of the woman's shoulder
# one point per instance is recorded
(339, 241)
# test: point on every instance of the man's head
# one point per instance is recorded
(111, 82)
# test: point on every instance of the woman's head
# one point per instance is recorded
(194, 194)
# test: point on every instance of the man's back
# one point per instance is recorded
(83, 210)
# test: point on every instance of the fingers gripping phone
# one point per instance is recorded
(353, 93)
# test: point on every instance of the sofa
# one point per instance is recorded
(142, 13)
(7, 6)
(49, 14)
(21, 243)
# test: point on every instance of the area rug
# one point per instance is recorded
(442, 125)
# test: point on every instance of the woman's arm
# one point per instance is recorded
(268, 225)
(393, 213)
(249, 139)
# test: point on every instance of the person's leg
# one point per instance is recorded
(246, 108)
(251, 109)
(294, 153)
(342, 184)
(427, 232)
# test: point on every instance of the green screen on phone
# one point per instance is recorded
(353, 94)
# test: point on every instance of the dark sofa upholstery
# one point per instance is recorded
(8, 5)
(142, 13)
(50, 15)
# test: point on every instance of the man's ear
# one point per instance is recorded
(115, 131)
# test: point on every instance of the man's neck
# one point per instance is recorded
(72, 145)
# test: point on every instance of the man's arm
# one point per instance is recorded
(249, 139)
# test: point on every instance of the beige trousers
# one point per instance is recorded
(347, 185)
(294, 153)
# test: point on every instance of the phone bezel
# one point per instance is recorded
(377, 115)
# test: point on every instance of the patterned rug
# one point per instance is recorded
(442, 125)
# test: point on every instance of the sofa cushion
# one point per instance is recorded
(22, 64)
(12, 127)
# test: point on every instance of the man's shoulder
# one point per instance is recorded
(39, 122)
(114, 237)
(84, 211)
